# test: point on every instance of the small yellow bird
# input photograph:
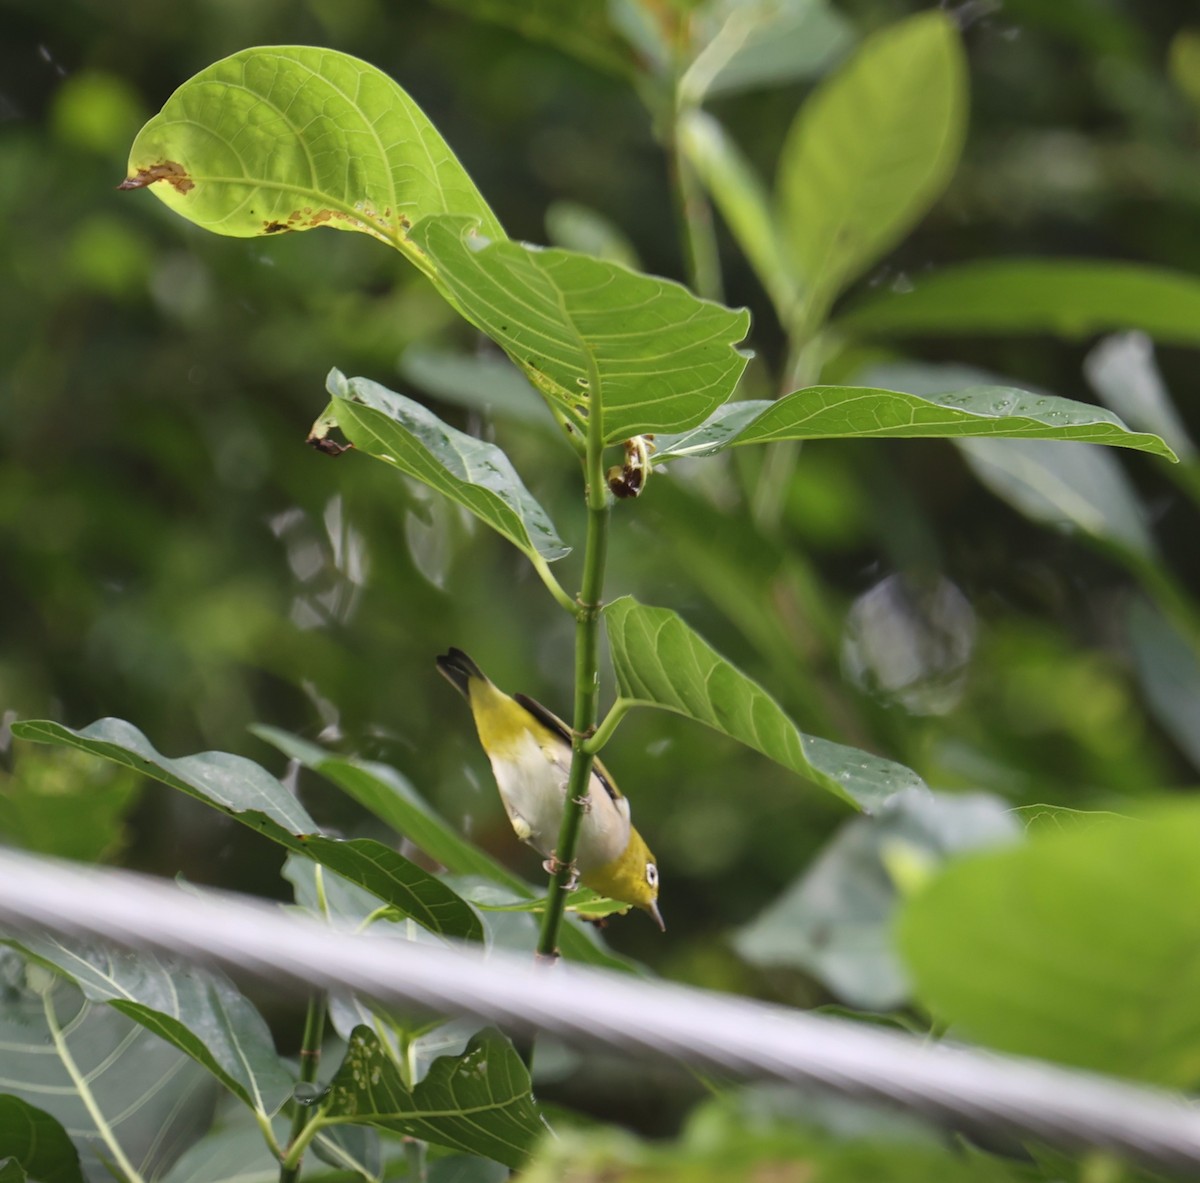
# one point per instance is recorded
(530, 751)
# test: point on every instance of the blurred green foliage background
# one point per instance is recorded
(174, 555)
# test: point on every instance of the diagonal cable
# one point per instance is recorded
(962, 1088)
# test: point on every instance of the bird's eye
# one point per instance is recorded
(652, 874)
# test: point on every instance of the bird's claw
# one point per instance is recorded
(553, 865)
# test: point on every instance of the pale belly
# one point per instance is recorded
(533, 789)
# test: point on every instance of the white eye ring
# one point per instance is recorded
(652, 874)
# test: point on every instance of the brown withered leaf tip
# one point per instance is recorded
(171, 172)
(329, 447)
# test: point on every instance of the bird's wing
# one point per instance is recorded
(550, 720)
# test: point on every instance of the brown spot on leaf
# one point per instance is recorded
(275, 227)
(171, 172)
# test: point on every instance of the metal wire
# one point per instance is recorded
(963, 1088)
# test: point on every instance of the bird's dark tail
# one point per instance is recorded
(458, 669)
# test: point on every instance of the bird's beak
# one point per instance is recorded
(652, 908)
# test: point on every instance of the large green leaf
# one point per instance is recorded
(1078, 946)
(472, 473)
(868, 412)
(36, 1141)
(480, 1102)
(664, 359)
(1071, 298)
(200, 1012)
(292, 137)
(742, 199)
(661, 662)
(835, 920)
(382, 790)
(248, 793)
(871, 150)
(106, 1080)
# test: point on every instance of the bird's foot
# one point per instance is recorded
(584, 802)
(553, 866)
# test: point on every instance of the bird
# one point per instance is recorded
(530, 751)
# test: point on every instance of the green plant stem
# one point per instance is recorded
(310, 1062)
(85, 1093)
(611, 721)
(587, 671)
(701, 259)
(552, 585)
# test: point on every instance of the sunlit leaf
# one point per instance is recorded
(479, 1102)
(835, 920)
(36, 1142)
(1070, 298)
(248, 793)
(66, 804)
(664, 359)
(871, 150)
(472, 473)
(742, 199)
(198, 1011)
(382, 790)
(1077, 946)
(661, 662)
(865, 412)
(284, 138)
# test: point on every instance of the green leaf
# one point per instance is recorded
(66, 804)
(199, 1012)
(11, 1171)
(835, 921)
(1183, 63)
(1060, 817)
(576, 227)
(292, 137)
(756, 43)
(482, 382)
(661, 662)
(743, 202)
(390, 797)
(1070, 298)
(245, 791)
(1077, 946)
(472, 473)
(36, 1142)
(1122, 371)
(479, 1102)
(871, 150)
(1168, 671)
(869, 412)
(664, 359)
(1070, 486)
(142, 1092)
